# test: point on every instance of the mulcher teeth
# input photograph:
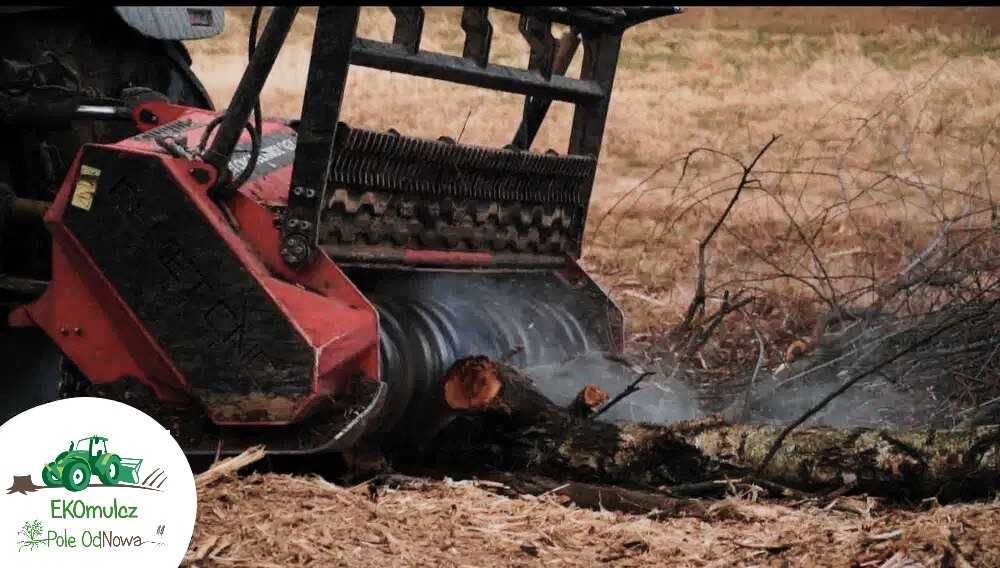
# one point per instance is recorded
(493, 199)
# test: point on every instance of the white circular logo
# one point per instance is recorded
(93, 482)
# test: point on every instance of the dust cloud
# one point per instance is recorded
(910, 393)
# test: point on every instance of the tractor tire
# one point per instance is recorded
(111, 472)
(49, 478)
(76, 476)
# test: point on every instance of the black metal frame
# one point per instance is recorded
(331, 57)
(336, 47)
(248, 91)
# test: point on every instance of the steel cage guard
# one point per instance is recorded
(336, 46)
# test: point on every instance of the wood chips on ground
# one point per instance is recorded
(288, 521)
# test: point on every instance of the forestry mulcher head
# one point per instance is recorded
(304, 283)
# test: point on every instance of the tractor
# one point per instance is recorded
(298, 283)
(74, 467)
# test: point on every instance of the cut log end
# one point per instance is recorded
(472, 384)
(588, 400)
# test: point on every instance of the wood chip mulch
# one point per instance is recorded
(272, 520)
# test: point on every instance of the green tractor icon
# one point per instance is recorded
(74, 467)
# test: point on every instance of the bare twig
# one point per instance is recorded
(632, 388)
(626, 195)
(698, 301)
(623, 361)
(729, 305)
(760, 364)
(464, 124)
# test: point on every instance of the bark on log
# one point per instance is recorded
(943, 463)
(543, 439)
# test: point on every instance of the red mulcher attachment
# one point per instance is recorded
(153, 280)
(193, 269)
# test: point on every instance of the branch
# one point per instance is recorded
(464, 124)
(729, 305)
(632, 388)
(698, 302)
(757, 367)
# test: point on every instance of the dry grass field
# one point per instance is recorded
(887, 157)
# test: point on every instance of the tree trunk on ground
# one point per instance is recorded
(506, 423)
(598, 497)
(917, 464)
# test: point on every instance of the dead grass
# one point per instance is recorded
(285, 521)
(863, 20)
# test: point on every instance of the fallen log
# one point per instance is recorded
(504, 410)
(482, 385)
(916, 464)
(585, 495)
(598, 497)
(474, 385)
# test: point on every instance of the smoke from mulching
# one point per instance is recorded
(875, 402)
(661, 399)
(915, 385)
(562, 363)
(878, 401)
(916, 391)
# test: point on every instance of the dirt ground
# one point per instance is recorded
(887, 119)
(284, 521)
